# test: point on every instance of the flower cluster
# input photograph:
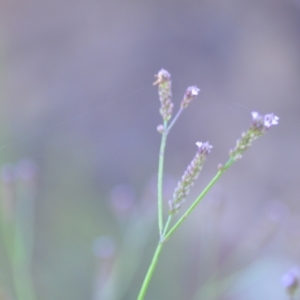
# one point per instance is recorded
(260, 125)
(189, 177)
(191, 93)
(164, 91)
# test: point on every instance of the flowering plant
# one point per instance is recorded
(260, 125)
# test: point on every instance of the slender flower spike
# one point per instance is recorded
(191, 93)
(164, 91)
(260, 125)
(189, 177)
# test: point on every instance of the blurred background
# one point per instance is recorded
(79, 147)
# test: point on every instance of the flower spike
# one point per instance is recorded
(260, 125)
(164, 91)
(189, 177)
(191, 93)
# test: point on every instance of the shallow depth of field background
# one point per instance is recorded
(78, 110)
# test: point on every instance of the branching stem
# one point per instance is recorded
(199, 198)
(166, 234)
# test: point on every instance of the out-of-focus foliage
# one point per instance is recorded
(77, 99)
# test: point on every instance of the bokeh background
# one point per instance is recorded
(79, 146)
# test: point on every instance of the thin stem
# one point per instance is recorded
(167, 225)
(175, 119)
(135, 240)
(200, 197)
(150, 272)
(160, 179)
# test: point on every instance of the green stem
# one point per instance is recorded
(150, 272)
(200, 197)
(167, 226)
(175, 119)
(160, 179)
(165, 236)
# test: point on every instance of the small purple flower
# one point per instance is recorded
(270, 120)
(191, 93)
(264, 122)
